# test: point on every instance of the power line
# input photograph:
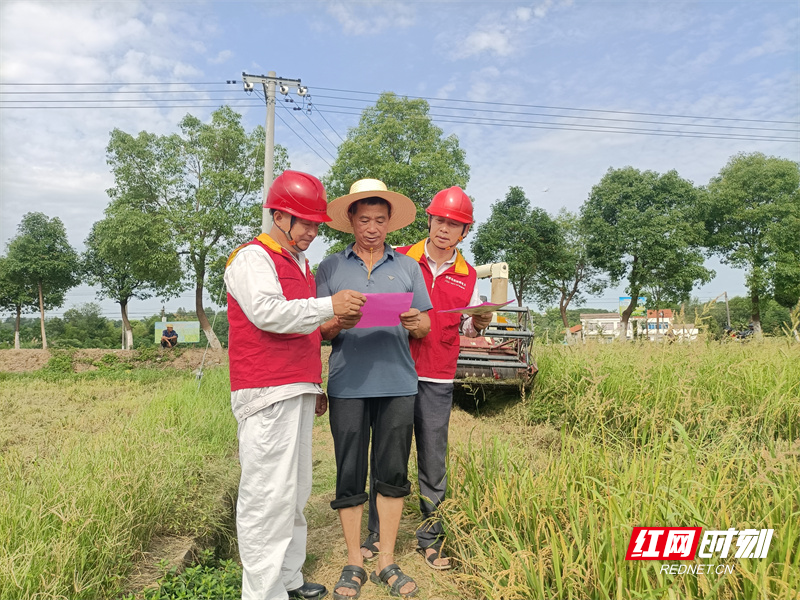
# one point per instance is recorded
(537, 106)
(260, 94)
(302, 139)
(428, 98)
(313, 137)
(624, 112)
(682, 129)
(39, 92)
(444, 119)
(239, 101)
(556, 116)
(595, 129)
(321, 114)
(362, 100)
(109, 84)
(314, 123)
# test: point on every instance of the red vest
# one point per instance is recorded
(259, 358)
(436, 354)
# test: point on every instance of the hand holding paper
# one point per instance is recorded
(478, 309)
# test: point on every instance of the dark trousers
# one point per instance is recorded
(432, 408)
(391, 421)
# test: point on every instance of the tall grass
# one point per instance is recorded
(75, 517)
(634, 391)
(563, 532)
(695, 435)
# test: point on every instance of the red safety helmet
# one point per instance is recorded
(299, 194)
(452, 203)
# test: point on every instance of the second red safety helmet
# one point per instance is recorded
(452, 203)
(299, 194)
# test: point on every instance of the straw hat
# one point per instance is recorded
(404, 211)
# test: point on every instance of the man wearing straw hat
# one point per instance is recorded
(372, 381)
(276, 371)
(452, 283)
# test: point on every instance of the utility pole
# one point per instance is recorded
(728, 310)
(727, 307)
(269, 83)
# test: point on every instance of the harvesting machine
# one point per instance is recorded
(503, 355)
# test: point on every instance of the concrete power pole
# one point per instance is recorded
(269, 83)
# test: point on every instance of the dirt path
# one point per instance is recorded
(326, 548)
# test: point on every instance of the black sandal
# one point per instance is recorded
(430, 560)
(348, 580)
(384, 576)
(369, 544)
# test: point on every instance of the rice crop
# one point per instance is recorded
(100, 466)
(684, 436)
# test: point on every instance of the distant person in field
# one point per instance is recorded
(452, 283)
(169, 337)
(276, 371)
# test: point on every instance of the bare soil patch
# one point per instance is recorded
(21, 361)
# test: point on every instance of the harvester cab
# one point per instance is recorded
(503, 355)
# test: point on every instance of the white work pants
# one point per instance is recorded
(275, 454)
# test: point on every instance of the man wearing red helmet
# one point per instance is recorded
(451, 283)
(276, 371)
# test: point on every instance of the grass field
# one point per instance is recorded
(544, 493)
(94, 465)
(651, 435)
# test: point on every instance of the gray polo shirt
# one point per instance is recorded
(374, 362)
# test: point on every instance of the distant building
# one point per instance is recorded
(574, 334)
(657, 325)
(603, 326)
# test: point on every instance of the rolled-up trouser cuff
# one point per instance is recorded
(392, 491)
(349, 501)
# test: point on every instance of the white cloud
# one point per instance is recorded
(370, 18)
(780, 39)
(496, 40)
(523, 14)
(540, 11)
(53, 159)
(222, 57)
(500, 34)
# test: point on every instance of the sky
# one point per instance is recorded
(545, 95)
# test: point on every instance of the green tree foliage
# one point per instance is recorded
(773, 315)
(131, 254)
(205, 182)
(84, 326)
(396, 141)
(567, 276)
(524, 237)
(15, 295)
(42, 259)
(752, 216)
(640, 226)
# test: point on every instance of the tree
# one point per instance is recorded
(567, 275)
(43, 260)
(15, 295)
(205, 182)
(752, 216)
(130, 254)
(640, 225)
(526, 238)
(396, 141)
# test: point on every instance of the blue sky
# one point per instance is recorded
(738, 62)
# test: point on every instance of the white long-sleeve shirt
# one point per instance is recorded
(252, 280)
